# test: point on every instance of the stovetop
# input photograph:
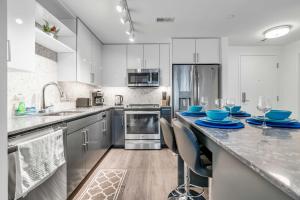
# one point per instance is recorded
(142, 107)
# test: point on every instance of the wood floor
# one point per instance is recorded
(151, 174)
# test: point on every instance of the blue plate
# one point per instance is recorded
(288, 120)
(220, 126)
(226, 121)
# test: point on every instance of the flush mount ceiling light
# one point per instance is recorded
(120, 7)
(277, 31)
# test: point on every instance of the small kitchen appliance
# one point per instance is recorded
(98, 98)
(119, 100)
(143, 77)
(83, 102)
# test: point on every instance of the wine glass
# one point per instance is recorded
(220, 103)
(230, 103)
(264, 105)
(204, 102)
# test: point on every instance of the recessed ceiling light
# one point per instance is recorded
(19, 21)
(277, 31)
(120, 6)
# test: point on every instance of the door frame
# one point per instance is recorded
(239, 96)
(3, 101)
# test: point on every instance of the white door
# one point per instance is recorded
(151, 56)
(21, 35)
(259, 77)
(183, 51)
(207, 51)
(134, 56)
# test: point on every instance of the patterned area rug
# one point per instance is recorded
(105, 185)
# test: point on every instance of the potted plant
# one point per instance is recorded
(51, 30)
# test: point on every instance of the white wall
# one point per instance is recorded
(3, 109)
(290, 78)
(233, 70)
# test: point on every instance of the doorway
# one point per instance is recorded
(258, 77)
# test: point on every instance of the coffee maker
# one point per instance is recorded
(97, 98)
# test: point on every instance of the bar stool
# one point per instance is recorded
(189, 149)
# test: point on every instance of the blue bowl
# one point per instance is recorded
(217, 114)
(195, 108)
(234, 109)
(278, 114)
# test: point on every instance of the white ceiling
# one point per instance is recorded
(193, 18)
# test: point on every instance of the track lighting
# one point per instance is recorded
(125, 18)
(131, 37)
(121, 6)
(129, 30)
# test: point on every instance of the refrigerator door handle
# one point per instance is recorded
(244, 97)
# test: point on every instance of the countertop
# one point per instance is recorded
(273, 153)
(26, 123)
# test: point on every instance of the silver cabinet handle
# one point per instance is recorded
(244, 97)
(8, 51)
(84, 140)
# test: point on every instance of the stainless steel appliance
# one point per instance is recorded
(143, 77)
(142, 127)
(119, 100)
(83, 102)
(191, 82)
(97, 98)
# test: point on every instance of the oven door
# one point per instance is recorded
(142, 125)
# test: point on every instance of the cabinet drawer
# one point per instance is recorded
(83, 122)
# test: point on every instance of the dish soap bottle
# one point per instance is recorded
(21, 109)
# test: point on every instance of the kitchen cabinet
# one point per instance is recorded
(208, 51)
(164, 61)
(118, 129)
(21, 35)
(84, 53)
(114, 66)
(87, 142)
(107, 140)
(151, 56)
(96, 61)
(134, 56)
(196, 51)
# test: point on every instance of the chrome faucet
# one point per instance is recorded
(44, 107)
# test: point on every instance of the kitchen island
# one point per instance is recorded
(251, 163)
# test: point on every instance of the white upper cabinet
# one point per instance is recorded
(164, 50)
(134, 56)
(196, 51)
(21, 35)
(208, 51)
(151, 56)
(84, 54)
(183, 51)
(97, 59)
(114, 66)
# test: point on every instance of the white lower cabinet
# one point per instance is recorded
(114, 71)
(21, 35)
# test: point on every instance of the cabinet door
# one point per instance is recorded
(134, 56)
(208, 51)
(76, 170)
(21, 34)
(114, 66)
(94, 138)
(84, 55)
(118, 129)
(96, 61)
(151, 56)
(183, 51)
(164, 64)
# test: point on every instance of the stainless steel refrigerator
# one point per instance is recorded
(191, 82)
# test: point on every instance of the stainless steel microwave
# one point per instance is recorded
(143, 77)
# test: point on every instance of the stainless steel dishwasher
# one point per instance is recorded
(55, 187)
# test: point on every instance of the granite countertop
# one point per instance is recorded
(26, 123)
(273, 153)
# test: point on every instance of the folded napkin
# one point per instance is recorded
(193, 114)
(241, 114)
(219, 126)
(36, 160)
(293, 124)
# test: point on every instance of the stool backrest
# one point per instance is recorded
(168, 135)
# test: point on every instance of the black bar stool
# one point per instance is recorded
(189, 150)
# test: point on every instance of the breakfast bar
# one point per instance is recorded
(251, 163)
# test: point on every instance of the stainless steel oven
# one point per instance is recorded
(143, 77)
(142, 129)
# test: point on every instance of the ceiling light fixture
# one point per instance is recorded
(277, 31)
(19, 21)
(129, 31)
(131, 37)
(124, 19)
(121, 6)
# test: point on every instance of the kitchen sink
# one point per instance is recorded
(62, 113)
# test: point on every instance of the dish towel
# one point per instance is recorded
(36, 160)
